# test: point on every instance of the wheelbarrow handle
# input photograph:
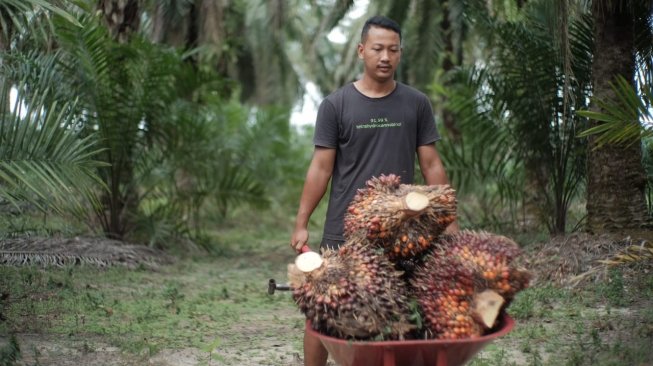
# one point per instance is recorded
(273, 286)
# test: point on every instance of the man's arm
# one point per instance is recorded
(315, 185)
(433, 172)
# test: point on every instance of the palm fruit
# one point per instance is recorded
(355, 293)
(402, 219)
(465, 282)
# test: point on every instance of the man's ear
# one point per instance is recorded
(360, 49)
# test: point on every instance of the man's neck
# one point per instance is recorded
(373, 89)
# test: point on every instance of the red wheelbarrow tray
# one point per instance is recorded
(436, 352)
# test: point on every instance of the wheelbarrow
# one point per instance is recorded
(440, 352)
(433, 352)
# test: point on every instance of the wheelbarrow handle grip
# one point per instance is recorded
(274, 286)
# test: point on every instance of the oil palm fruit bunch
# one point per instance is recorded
(402, 219)
(465, 283)
(351, 293)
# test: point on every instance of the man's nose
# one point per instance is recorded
(385, 55)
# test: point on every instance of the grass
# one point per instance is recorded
(601, 324)
(140, 311)
(218, 307)
(200, 302)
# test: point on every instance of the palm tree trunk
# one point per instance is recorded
(171, 27)
(6, 32)
(122, 17)
(616, 178)
(212, 16)
(449, 62)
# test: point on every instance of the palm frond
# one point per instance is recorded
(25, 16)
(483, 165)
(234, 186)
(221, 165)
(641, 254)
(89, 251)
(621, 117)
(43, 160)
(631, 254)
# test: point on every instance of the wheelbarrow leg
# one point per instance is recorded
(388, 357)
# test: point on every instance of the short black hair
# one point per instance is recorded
(382, 22)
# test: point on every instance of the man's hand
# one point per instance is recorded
(299, 239)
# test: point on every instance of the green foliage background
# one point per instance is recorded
(173, 123)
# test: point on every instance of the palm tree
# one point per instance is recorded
(126, 96)
(244, 40)
(167, 140)
(126, 93)
(44, 162)
(519, 121)
(616, 178)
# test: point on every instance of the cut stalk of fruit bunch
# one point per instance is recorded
(308, 261)
(415, 202)
(486, 307)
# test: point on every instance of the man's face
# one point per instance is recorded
(381, 53)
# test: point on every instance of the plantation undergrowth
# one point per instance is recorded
(210, 310)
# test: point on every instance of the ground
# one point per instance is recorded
(216, 311)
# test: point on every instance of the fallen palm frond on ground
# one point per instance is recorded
(561, 258)
(99, 252)
(633, 254)
(581, 257)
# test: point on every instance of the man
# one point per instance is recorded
(370, 127)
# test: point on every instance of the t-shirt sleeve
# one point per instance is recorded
(326, 126)
(427, 133)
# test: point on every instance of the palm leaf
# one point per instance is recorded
(22, 12)
(43, 161)
(621, 117)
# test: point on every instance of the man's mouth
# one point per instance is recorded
(384, 67)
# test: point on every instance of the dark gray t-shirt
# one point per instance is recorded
(372, 136)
